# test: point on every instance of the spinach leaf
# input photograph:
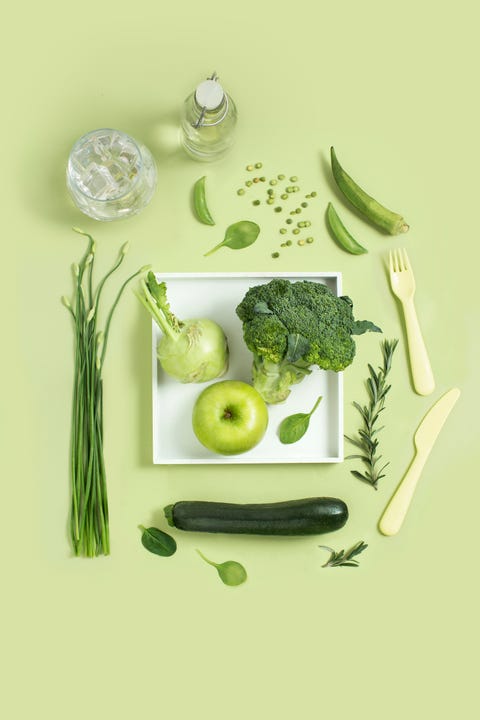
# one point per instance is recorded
(294, 427)
(158, 542)
(238, 236)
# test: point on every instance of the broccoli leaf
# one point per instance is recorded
(297, 347)
(262, 308)
(362, 326)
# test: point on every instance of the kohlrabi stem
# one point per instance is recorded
(159, 316)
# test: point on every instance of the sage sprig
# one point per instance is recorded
(366, 440)
(89, 524)
(344, 558)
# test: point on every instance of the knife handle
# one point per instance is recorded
(396, 510)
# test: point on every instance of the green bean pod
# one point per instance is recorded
(341, 234)
(390, 221)
(200, 203)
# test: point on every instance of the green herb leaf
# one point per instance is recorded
(344, 558)
(158, 542)
(294, 427)
(238, 236)
(262, 308)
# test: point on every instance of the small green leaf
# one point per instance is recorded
(297, 347)
(262, 308)
(363, 326)
(294, 427)
(238, 236)
(158, 542)
(231, 572)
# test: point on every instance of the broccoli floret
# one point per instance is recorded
(290, 326)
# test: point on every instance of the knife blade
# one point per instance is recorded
(425, 436)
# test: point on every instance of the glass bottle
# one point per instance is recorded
(208, 121)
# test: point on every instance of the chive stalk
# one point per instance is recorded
(89, 520)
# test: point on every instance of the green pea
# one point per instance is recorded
(310, 240)
(281, 177)
(296, 231)
(240, 191)
(298, 210)
(263, 178)
(301, 242)
(294, 178)
(288, 243)
(256, 202)
(283, 231)
(284, 196)
(273, 182)
(249, 168)
(304, 204)
(278, 209)
(248, 183)
(256, 179)
(275, 255)
(270, 191)
(289, 189)
(258, 165)
(313, 194)
(289, 221)
(283, 244)
(300, 224)
(296, 188)
(270, 201)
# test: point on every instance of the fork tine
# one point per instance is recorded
(406, 261)
(390, 262)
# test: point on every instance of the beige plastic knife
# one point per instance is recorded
(427, 432)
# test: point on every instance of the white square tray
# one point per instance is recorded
(216, 296)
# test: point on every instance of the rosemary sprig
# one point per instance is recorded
(344, 558)
(367, 440)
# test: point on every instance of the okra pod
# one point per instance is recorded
(341, 234)
(390, 221)
(200, 203)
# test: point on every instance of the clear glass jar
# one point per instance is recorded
(109, 175)
(208, 121)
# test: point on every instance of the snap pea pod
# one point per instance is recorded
(341, 234)
(390, 221)
(200, 203)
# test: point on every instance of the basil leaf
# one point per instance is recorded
(294, 427)
(158, 542)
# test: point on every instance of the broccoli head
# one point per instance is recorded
(290, 326)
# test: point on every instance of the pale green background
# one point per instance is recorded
(394, 86)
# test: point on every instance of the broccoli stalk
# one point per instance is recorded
(290, 327)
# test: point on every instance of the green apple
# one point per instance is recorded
(229, 417)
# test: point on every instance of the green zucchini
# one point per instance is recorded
(309, 516)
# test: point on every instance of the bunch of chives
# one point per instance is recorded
(89, 527)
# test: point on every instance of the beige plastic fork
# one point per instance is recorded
(402, 282)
